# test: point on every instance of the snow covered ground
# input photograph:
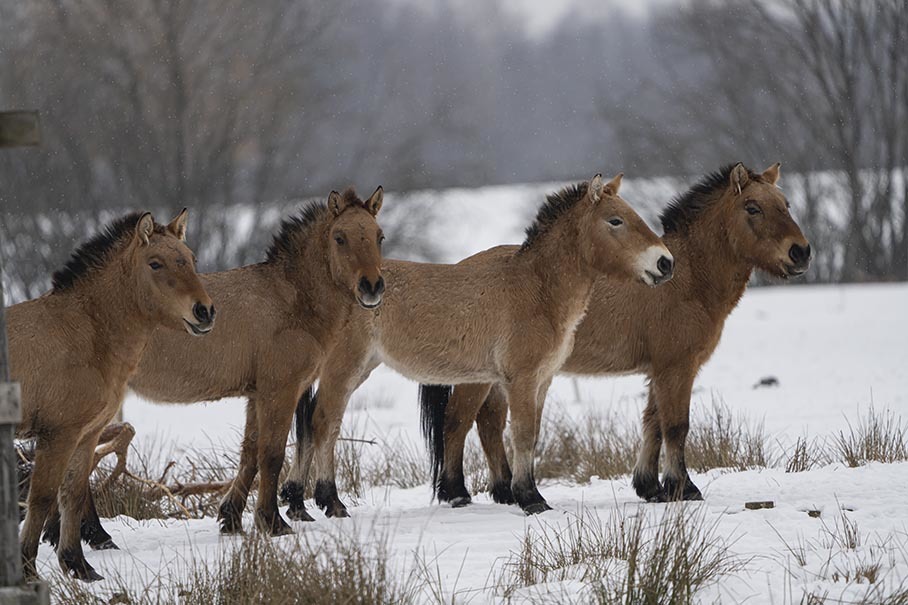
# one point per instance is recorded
(833, 349)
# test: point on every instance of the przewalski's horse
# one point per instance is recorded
(727, 225)
(278, 323)
(509, 321)
(74, 349)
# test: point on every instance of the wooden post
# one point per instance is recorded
(17, 129)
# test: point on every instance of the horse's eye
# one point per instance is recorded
(615, 221)
(381, 239)
(340, 240)
(155, 265)
(752, 209)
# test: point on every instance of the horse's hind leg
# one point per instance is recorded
(462, 408)
(93, 533)
(73, 494)
(673, 392)
(52, 456)
(490, 424)
(230, 512)
(646, 471)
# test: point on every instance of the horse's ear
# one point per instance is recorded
(144, 228)
(336, 203)
(614, 185)
(771, 174)
(738, 178)
(596, 188)
(178, 225)
(373, 204)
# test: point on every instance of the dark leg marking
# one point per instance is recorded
(294, 494)
(326, 497)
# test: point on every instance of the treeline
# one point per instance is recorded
(216, 104)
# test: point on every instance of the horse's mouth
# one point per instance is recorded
(652, 279)
(369, 305)
(197, 329)
(793, 270)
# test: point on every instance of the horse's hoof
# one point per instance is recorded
(273, 525)
(105, 545)
(299, 514)
(647, 486)
(536, 507)
(230, 527)
(79, 569)
(337, 512)
(502, 494)
(461, 501)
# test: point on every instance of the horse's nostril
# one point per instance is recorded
(212, 313)
(664, 264)
(380, 286)
(201, 313)
(798, 254)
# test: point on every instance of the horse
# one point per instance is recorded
(278, 322)
(727, 225)
(74, 349)
(509, 321)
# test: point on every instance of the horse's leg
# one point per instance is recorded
(72, 497)
(462, 408)
(51, 459)
(116, 439)
(274, 416)
(646, 471)
(490, 423)
(522, 400)
(334, 390)
(230, 511)
(673, 392)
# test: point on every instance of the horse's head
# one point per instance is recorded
(354, 245)
(162, 267)
(620, 242)
(759, 226)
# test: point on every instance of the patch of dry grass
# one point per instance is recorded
(877, 437)
(624, 559)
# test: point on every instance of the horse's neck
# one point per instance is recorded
(120, 331)
(717, 279)
(565, 280)
(320, 301)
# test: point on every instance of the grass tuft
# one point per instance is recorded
(877, 437)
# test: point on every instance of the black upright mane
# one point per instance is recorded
(556, 204)
(286, 242)
(97, 252)
(684, 209)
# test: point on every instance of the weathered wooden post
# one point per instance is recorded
(17, 129)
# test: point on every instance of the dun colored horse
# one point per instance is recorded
(278, 322)
(508, 321)
(74, 349)
(727, 225)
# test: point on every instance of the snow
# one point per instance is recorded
(833, 349)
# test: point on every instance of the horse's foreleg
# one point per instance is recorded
(274, 416)
(333, 395)
(52, 456)
(462, 408)
(646, 471)
(293, 491)
(230, 511)
(73, 494)
(523, 402)
(490, 424)
(673, 392)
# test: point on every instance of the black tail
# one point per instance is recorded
(433, 400)
(305, 407)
